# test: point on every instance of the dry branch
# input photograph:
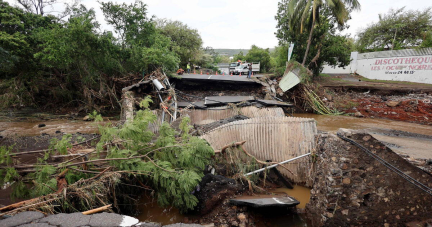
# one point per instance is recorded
(236, 144)
(97, 210)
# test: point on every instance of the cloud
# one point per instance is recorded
(242, 23)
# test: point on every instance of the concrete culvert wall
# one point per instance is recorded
(272, 138)
(351, 188)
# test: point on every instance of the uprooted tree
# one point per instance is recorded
(170, 163)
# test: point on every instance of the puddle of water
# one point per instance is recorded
(302, 194)
(151, 212)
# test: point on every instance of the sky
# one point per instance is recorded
(239, 24)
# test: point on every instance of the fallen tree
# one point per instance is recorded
(170, 163)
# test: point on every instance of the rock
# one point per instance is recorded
(241, 217)
(344, 166)
(367, 138)
(345, 212)
(358, 114)
(394, 113)
(41, 125)
(344, 132)
(346, 181)
(392, 103)
(329, 97)
(86, 118)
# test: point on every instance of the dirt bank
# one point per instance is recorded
(416, 108)
(361, 97)
(352, 188)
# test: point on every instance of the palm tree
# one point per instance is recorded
(300, 10)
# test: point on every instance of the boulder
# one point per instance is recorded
(393, 103)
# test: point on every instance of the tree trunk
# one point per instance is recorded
(309, 43)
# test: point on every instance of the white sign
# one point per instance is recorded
(290, 50)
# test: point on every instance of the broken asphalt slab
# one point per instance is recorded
(37, 219)
(265, 202)
(274, 103)
(219, 100)
(226, 78)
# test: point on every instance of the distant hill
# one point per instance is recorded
(232, 52)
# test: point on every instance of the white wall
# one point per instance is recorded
(413, 68)
(400, 65)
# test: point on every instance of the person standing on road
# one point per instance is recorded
(188, 67)
(250, 70)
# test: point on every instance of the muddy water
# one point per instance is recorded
(32, 128)
(151, 212)
(26, 123)
(302, 194)
(411, 139)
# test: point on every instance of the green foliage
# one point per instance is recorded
(43, 180)
(175, 169)
(19, 191)
(185, 127)
(240, 56)
(130, 22)
(157, 55)
(60, 145)
(5, 158)
(95, 116)
(329, 47)
(186, 41)
(68, 61)
(321, 18)
(261, 55)
(74, 176)
(398, 29)
(11, 175)
(427, 39)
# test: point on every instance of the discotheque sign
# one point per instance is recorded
(402, 65)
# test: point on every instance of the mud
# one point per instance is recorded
(405, 138)
(411, 108)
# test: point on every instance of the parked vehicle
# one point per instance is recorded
(233, 65)
(243, 69)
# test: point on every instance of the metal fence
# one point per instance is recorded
(395, 53)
